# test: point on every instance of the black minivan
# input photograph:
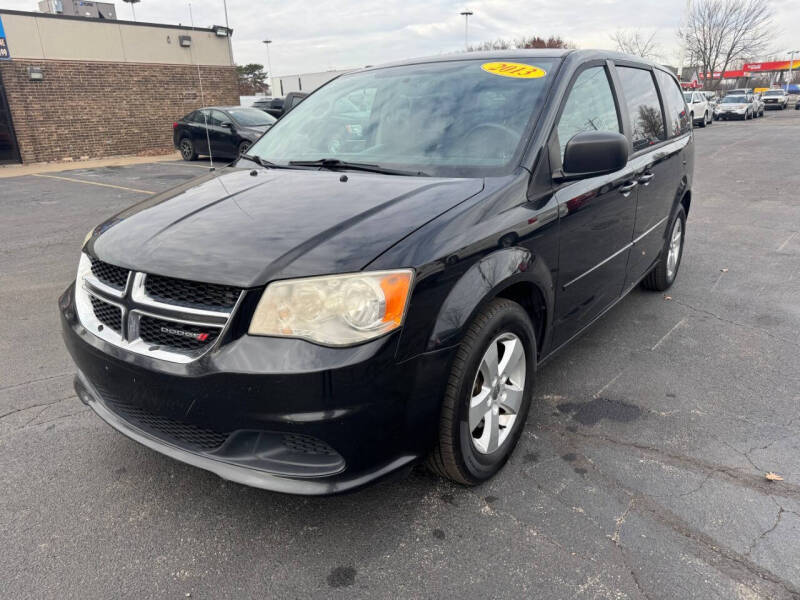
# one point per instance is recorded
(375, 283)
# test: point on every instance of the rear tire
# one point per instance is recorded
(666, 270)
(186, 148)
(479, 408)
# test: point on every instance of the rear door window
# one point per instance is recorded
(589, 107)
(674, 106)
(644, 108)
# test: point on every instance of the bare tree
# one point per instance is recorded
(637, 43)
(719, 33)
(553, 41)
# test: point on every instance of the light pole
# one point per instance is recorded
(466, 14)
(133, 10)
(791, 54)
(269, 65)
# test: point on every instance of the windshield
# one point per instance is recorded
(456, 118)
(774, 93)
(251, 117)
(688, 98)
(734, 100)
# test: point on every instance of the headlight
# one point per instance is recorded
(88, 237)
(336, 310)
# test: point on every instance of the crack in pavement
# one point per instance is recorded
(44, 404)
(768, 531)
(737, 324)
(24, 383)
(729, 562)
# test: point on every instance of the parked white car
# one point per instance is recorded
(699, 110)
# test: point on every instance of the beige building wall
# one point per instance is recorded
(40, 37)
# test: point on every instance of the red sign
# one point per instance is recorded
(728, 74)
(778, 65)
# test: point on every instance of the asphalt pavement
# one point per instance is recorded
(641, 472)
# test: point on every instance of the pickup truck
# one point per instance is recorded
(277, 107)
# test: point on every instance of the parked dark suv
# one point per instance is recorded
(376, 282)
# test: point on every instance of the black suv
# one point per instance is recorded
(375, 283)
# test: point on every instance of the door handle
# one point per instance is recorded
(626, 189)
(645, 179)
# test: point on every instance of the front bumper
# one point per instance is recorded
(278, 414)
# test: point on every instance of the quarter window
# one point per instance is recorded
(647, 122)
(674, 106)
(589, 107)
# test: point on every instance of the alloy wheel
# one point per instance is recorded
(497, 393)
(186, 149)
(674, 249)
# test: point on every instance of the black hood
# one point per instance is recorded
(234, 228)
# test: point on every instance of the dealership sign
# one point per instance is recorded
(778, 65)
(4, 52)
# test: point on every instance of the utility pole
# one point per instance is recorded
(791, 54)
(228, 29)
(269, 66)
(466, 14)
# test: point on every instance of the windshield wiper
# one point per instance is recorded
(334, 164)
(260, 161)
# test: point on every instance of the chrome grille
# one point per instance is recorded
(174, 334)
(166, 318)
(193, 294)
(108, 314)
(113, 276)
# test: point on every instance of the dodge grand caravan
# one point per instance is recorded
(375, 282)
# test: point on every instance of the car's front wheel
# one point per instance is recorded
(186, 148)
(666, 270)
(243, 147)
(704, 120)
(488, 395)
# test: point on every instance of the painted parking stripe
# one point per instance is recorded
(108, 185)
(206, 166)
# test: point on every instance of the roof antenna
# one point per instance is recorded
(202, 95)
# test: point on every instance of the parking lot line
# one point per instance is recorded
(108, 185)
(174, 163)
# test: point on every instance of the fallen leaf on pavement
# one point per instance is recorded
(724, 270)
(773, 477)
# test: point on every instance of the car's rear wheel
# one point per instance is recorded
(666, 270)
(488, 395)
(186, 148)
(243, 147)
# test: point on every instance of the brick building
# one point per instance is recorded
(77, 88)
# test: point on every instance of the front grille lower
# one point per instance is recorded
(304, 444)
(111, 275)
(191, 294)
(108, 314)
(176, 335)
(171, 430)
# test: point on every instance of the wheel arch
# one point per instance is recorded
(512, 273)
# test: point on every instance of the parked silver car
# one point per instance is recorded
(735, 107)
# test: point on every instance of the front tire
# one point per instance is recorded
(243, 147)
(488, 395)
(666, 270)
(704, 121)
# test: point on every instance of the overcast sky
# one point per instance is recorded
(332, 34)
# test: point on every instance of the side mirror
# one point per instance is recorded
(227, 125)
(593, 153)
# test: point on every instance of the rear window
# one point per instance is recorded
(674, 106)
(644, 109)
